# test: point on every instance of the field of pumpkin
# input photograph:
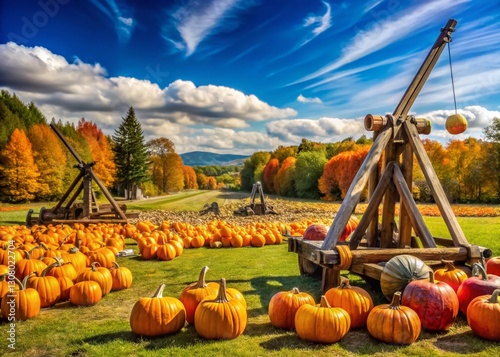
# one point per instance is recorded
(79, 264)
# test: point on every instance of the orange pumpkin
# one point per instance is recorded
(284, 305)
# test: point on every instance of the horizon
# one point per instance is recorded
(236, 77)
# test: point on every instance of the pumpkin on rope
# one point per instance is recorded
(322, 323)
(220, 318)
(158, 315)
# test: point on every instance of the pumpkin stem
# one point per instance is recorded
(396, 301)
(344, 283)
(201, 279)
(27, 255)
(324, 302)
(159, 291)
(448, 264)
(479, 271)
(94, 266)
(494, 297)
(221, 295)
(115, 265)
(295, 291)
(59, 261)
(46, 270)
(431, 276)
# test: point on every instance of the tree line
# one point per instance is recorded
(36, 166)
(469, 170)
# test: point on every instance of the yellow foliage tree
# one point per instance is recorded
(19, 173)
(50, 160)
(190, 181)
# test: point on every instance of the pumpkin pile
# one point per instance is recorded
(59, 263)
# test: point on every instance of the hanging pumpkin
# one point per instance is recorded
(85, 293)
(456, 124)
(284, 305)
(436, 303)
(322, 323)
(220, 318)
(47, 286)
(121, 276)
(355, 300)
(482, 284)
(26, 301)
(483, 316)
(450, 275)
(192, 294)
(157, 315)
(393, 323)
(399, 271)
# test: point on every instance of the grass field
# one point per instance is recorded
(103, 329)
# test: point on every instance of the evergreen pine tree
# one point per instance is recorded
(131, 155)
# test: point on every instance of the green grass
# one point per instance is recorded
(103, 329)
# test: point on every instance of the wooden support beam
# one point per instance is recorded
(373, 180)
(437, 190)
(405, 226)
(372, 208)
(412, 209)
(358, 184)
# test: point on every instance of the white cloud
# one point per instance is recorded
(69, 91)
(123, 25)
(323, 22)
(385, 32)
(196, 20)
(303, 99)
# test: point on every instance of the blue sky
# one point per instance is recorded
(239, 76)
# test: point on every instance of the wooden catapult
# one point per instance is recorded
(373, 243)
(87, 212)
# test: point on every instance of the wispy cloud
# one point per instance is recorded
(303, 99)
(197, 20)
(321, 23)
(123, 25)
(385, 33)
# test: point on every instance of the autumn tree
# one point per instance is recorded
(190, 181)
(211, 183)
(173, 173)
(202, 180)
(159, 151)
(270, 171)
(253, 169)
(492, 134)
(283, 181)
(50, 160)
(282, 152)
(308, 169)
(19, 178)
(100, 150)
(131, 155)
(339, 173)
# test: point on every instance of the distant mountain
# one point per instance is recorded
(205, 158)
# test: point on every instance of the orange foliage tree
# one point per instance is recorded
(50, 160)
(190, 181)
(100, 150)
(339, 172)
(19, 173)
(283, 180)
(270, 171)
(211, 183)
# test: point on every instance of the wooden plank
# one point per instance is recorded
(437, 190)
(370, 269)
(373, 181)
(405, 226)
(88, 221)
(329, 279)
(413, 212)
(388, 207)
(372, 208)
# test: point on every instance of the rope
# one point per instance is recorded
(345, 257)
(452, 79)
